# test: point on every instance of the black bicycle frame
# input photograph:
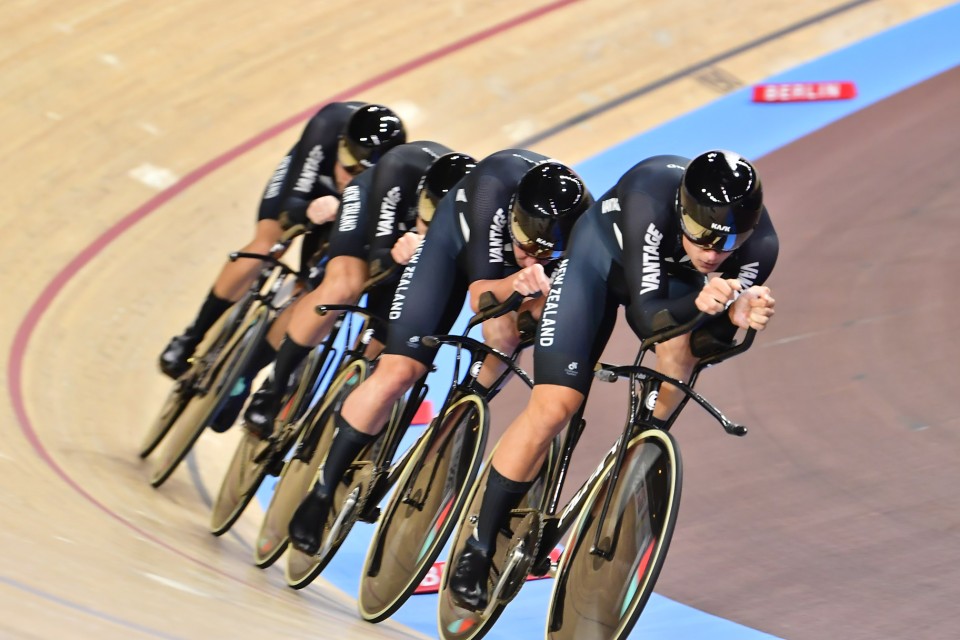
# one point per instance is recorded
(638, 419)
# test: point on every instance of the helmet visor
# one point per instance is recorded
(426, 207)
(707, 238)
(537, 237)
(349, 159)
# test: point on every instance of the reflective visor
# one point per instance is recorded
(349, 161)
(710, 238)
(532, 237)
(426, 207)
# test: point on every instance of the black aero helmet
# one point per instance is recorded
(720, 200)
(371, 131)
(549, 199)
(441, 175)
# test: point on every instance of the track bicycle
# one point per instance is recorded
(207, 354)
(312, 438)
(368, 480)
(207, 387)
(255, 458)
(432, 490)
(620, 520)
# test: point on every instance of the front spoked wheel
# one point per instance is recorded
(424, 507)
(601, 590)
(188, 426)
(300, 470)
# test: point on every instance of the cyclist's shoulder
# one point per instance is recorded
(417, 155)
(763, 243)
(325, 125)
(656, 174)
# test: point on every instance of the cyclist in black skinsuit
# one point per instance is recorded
(382, 217)
(649, 244)
(339, 142)
(467, 250)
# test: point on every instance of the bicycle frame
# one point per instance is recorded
(400, 421)
(265, 290)
(639, 417)
(357, 340)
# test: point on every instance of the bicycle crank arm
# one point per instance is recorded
(515, 558)
(370, 510)
(342, 517)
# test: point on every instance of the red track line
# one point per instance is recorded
(59, 282)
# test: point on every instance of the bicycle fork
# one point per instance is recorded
(639, 413)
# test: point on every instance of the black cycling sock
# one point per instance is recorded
(263, 354)
(501, 496)
(289, 357)
(347, 444)
(210, 311)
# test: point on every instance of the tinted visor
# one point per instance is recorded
(710, 238)
(351, 158)
(426, 207)
(539, 238)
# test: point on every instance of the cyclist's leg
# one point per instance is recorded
(341, 283)
(426, 300)
(674, 359)
(264, 354)
(501, 334)
(519, 454)
(568, 342)
(378, 306)
(396, 375)
(431, 281)
(232, 282)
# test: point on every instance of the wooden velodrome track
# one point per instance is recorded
(136, 138)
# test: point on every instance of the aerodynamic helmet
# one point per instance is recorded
(443, 173)
(371, 131)
(549, 199)
(720, 200)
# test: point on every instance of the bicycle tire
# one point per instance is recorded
(298, 475)
(243, 477)
(183, 389)
(192, 421)
(454, 623)
(595, 597)
(445, 474)
(173, 405)
(251, 463)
